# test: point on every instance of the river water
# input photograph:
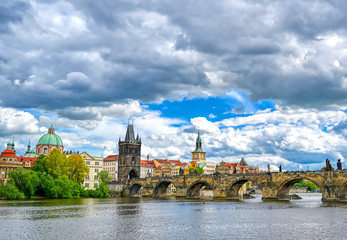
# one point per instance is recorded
(148, 218)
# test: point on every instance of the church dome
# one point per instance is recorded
(50, 138)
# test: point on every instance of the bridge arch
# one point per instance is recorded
(284, 188)
(160, 189)
(135, 190)
(132, 174)
(233, 189)
(194, 189)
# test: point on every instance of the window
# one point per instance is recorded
(96, 163)
(87, 162)
(96, 170)
(96, 185)
(87, 185)
(87, 177)
(45, 150)
(96, 177)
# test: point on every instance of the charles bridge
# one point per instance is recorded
(273, 185)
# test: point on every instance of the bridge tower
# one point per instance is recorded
(129, 156)
(198, 155)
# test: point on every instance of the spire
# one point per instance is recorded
(13, 144)
(28, 150)
(130, 136)
(198, 143)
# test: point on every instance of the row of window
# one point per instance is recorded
(95, 185)
(88, 163)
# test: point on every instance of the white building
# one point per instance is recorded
(147, 168)
(209, 168)
(111, 166)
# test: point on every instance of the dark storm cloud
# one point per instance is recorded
(91, 53)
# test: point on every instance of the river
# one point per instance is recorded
(148, 218)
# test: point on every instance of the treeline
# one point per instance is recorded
(303, 183)
(54, 176)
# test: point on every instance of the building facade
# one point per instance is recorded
(111, 166)
(95, 165)
(129, 164)
(49, 141)
(8, 161)
(147, 168)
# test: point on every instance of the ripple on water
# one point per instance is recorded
(146, 218)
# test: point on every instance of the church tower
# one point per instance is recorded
(129, 156)
(198, 155)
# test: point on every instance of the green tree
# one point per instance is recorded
(104, 177)
(103, 189)
(26, 181)
(39, 164)
(200, 170)
(77, 168)
(10, 191)
(56, 163)
(193, 171)
(66, 188)
(303, 183)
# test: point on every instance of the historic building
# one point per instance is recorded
(111, 166)
(241, 167)
(147, 168)
(95, 165)
(8, 161)
(198, 155)
(129, 164)
(49, 141)
(29, 157)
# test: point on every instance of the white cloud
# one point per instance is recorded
(203, 124)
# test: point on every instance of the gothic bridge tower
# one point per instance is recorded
(129, 156)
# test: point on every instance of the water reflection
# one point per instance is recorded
(141, 218)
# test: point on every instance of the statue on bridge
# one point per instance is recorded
(339, 164)
(268, 167)
(328, 166)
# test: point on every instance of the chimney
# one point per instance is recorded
(148, 157)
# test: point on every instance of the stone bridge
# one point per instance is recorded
(274, 186)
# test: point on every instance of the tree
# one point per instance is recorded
(77, 168)
(10, 191)
(26, 181)
(103, 189)
(56, 163)
(303, 183)
(200, 170)
(39, 164)
(104, 177)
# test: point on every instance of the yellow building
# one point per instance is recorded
(95, 165)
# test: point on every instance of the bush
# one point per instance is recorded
(10, 191)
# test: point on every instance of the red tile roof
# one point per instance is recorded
(111, 158)
(147, 163)
(8, 153)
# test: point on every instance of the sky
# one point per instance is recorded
(261, 79)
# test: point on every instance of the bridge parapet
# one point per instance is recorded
(274, 185)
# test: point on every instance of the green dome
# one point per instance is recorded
(50, 138)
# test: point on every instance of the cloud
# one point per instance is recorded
(14, 122)
(58, 55)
